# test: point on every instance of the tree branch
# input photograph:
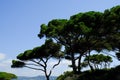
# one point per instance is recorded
(54, 66)
(38, 63)
(32, 64)
(34, 68)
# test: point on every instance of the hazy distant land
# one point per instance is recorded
(35, 78)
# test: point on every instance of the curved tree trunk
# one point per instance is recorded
(91, 67)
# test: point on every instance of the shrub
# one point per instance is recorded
(7, 76)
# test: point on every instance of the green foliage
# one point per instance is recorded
(103, 74)
(98, 61)
(7, 76)
(85, 32)
(81, 34)
(38, 57)
(28, 54)
(16, 64)
(49, 49)
(98, 74)
(53, 28)
(65, 75)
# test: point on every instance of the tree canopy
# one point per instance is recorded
(79, 36)
(85, 32)
(39, 57)
(98, 61)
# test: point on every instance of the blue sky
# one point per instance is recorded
(20, 22)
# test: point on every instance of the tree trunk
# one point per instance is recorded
(47, 78)
(46, 74)
(79, 63)
(91, 67)
(73, 63)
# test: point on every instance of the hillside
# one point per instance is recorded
(99, 74)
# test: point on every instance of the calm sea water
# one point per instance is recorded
(35, 78)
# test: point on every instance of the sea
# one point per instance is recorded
(34, 78)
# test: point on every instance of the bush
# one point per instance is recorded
(98, 74)
(7, 76)
(65, 75)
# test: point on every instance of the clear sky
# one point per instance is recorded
(20, 22)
